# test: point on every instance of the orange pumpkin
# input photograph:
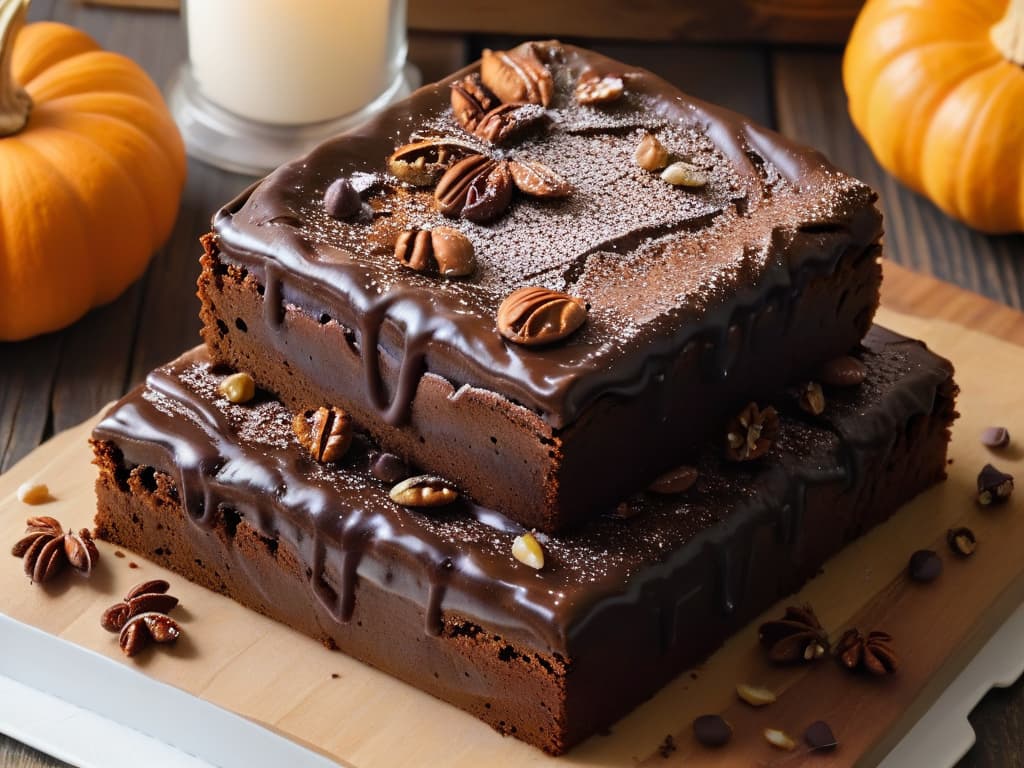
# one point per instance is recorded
(91, 172)
(936, 87)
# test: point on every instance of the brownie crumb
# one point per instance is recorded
(668, 746)
(118, 553)
(132, 564)
(335, 675)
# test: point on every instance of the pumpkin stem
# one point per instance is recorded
(1008, 33)
(15, 103)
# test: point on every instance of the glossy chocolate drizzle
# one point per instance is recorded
(457, 561)
(760, 222)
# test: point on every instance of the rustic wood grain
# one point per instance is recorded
(50, 383)
(779, 21)
(16, 755)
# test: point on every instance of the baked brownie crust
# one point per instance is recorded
(222, 494)
(697, 298)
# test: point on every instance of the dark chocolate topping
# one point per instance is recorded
(658, 265)
(457, 560)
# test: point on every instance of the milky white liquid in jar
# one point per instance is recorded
(293, 62)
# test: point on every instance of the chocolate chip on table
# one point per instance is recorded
(842, 371)
(342, 199)
(712, 730)
(819, 736)
(994, 486)
(925, 566)
(962, 541)
(389, 468)
(995, 437)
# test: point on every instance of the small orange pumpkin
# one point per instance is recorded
(91, 172)
(936, 87)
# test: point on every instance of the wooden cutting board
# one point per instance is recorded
(248, 664)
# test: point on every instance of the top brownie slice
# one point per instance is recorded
(699, 296)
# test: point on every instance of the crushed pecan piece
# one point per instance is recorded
(533, 316)
(751, 433)
(471, 100)
(146, 628)
(593, 89)
(509, 122)
(537, 180)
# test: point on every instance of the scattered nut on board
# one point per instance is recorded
(527, 550)
(779, 739)
(33, 493)
(754, 695)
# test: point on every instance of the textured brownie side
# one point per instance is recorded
(541, 698)
(504, 455)
(660, 586)
(518, 691)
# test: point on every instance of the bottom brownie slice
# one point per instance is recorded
(224, 495)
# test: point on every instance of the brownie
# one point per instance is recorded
(699, 298)
(224, 495)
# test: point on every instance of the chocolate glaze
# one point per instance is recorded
(658, 265)
(457, 560)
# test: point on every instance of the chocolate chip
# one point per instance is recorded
(342, 200)
(678, 480)
(820, 737)
(994, 486)
(842, 371)
(925, 566)
(962, 541)
(712, 730)
(995, 437)
(388, 468)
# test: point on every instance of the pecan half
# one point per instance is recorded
(517, 76)
(326, 432)
(477, 188)
(537, 180)
(422, 162)
(441, 251)
(471, 100)
(509, 122)
(751, 433)
(533, 316)
(797, 636)
(872, 654)
(593, 88)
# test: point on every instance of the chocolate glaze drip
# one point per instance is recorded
(773, 215)
(457, 560)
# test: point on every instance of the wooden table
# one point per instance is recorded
(51, 383)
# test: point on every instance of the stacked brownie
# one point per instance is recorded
(550, 302)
